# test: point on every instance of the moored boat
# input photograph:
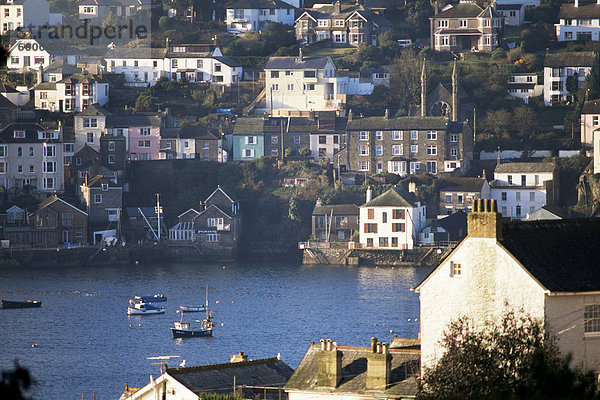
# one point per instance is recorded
(20, 304)
(200, 308)
(183, 329)
(141, 308)
(157, 298)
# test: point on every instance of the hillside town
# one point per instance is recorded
(462, 135)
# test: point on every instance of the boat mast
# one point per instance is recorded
(158, 212)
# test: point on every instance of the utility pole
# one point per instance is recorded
(158, 211)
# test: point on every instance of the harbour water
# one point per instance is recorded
(82, 341)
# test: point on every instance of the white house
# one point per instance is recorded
(187, 383)
(514, 14)
(18, 96)
(527, 3)
(255, 15)
(190, 62)
(392, 220)
(542, 268)
(590, 122)
(578, 21)
(27, 54)
(94, 9)
(74, 93)
(89, 126)
(521, 188)
(23, 13)
(524, 86)
(303, 84)
(559, 68)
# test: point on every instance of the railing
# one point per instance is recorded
(375, 246)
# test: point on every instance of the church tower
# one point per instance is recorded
(455, 104)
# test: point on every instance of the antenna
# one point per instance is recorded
(162, 361)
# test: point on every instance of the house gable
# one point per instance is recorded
(219, 197)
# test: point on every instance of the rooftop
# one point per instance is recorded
(524, 167)
(296, 63)
(395, 197)
(398, 123)
(459, 184)
(571, 59)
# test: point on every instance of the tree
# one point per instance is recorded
(293, 212)
(514, 358)
(14, 383)
(524, 121)
(405, 80)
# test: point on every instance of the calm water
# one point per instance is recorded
(86, 343)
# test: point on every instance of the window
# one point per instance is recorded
(363, 135)
(595, 120)
(49, 150)
(213, 237)
(431, 135)
(398, 227)
(309, 86)
(455, 269)
(248, 153)
(111, 145)
(111, 158)
(217, 67)
(48, 183)
(90, 137)
(370, 228)
(363, 150)
(503, 196)
(20, 169)
(431, 150)
(271, 11)
(414, 135)
(275, 87)
(3, 167)
(379, 150)
(145, 132)
(215, 221)
(19, 134)
(397, 214)
(378, 135)
(274, 152)
(414, 148)
(19, 152)
(518, 211)
(363, 165)
(3, 150)
(453, 138)
(464, 23)
(322, 139)
(396, 135)
(557, 86)
(432, 167)
(510, 179)
(251, 140)
(591, 318)
(296, 139)
(371, 213)
(453, 152)
(274, 74)
(144, 144)
(383, 242)
(442, 23)
(49, 166)
(448, 198)
(290, 87)
(205, 145)
(518, 196)
(97, 198)
(67, 219)
(397, 150)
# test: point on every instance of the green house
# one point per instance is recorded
(248, 139)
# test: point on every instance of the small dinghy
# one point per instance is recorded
(20, 304)
(141, 308)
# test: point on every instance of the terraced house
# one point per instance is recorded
(342, 25)
(407, 145)
(466, 27)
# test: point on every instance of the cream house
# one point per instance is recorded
(547, 269)
(255, 15)
(303, 84)
(560, 69)
(579, 20)
(391, 221)
(74, 93)
(590, 122)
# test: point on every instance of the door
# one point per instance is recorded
(67, 236)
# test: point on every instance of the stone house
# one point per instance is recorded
(99, 9)
(542, 268)
(73, 93)
(329, 371)
(407, 145)
(466, 27)
(189, 383)
(458, 193)
(578, 21)
(391, 221)
(103, 198)
(54, 223)
(520, 188)
(334, 223)
(560, 68)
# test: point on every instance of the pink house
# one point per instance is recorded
(142, 134)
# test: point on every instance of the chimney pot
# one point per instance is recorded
(373, 344)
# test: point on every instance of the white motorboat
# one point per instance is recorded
(141, 308)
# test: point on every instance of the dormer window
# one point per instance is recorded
(105, 187)
(20, 134)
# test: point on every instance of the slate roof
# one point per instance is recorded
(338, 209)
(591, 107)
(61, 67)
(562, 255)
(524, 167)
(399, 123)
(571, 59)
(489, 12)
(459, 184)
(107, 3)
(93, 110)
(4, 88)
(568, 10)
(218, 378)
(136, 53)
(100, 180)
(295, 63)
(248, 126)
(143, 120)
(6, 103)
(508, 7)
(451, 223)
(227, 61)
(395, 197)
(258, 4)
(31, 133)
(403, 382)
(464, 10)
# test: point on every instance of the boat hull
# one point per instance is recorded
(179, 333)
(157, 298)
(7, 304)
(192, 308)
(137, 311)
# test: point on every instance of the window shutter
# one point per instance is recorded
(451, 269)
